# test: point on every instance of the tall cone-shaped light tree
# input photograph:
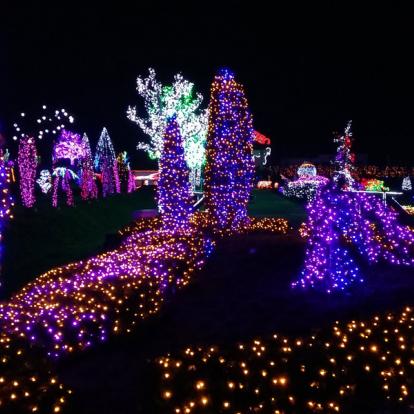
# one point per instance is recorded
(105, 163)
(230, 165)
(174, 191)
(89, 189)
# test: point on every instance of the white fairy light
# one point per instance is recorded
(162, 102)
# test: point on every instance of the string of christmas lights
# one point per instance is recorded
(338, 220)
(199, 221)
(27, 382)
(361, 364)
(229, 153)
(72, 307)
(44, 123)
(305, 187)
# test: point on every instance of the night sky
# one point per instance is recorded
(306, 70)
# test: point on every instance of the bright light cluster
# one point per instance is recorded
(45, 181)
(361, 362)
(406, 184)
(68, 146)
(306, 169)
(268, 225)
(163, 102)
(27, 164)
(261, 139)
(141, 225)
(173, 189)
(45, 123)
(344, 159)
(409, 210)
(27, 383)
(230, 164)
(373, 184)
(338, 220)
(264, 185)
(72, 307)
(200, 220)
(305, 187)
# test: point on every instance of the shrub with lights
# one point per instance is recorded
(27, 381)
(27, 164)
(339, 220)
(174, 192)
(45, 181)
(230, 165)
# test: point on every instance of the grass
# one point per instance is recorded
(44, 237)
(268, 203)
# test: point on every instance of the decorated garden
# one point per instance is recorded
(225, 285)
(206, 208)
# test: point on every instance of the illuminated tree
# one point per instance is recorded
(174, 199)
(62, 178)
(123, 170)
(69, 146)
(344, 223)
(163, 102)
(27, 163)
(131, 182)
(230, 165)
(89, 189)
(105, 163)
(344, 160)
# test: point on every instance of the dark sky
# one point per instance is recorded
(306, 70)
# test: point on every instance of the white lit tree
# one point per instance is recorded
(163, 102)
